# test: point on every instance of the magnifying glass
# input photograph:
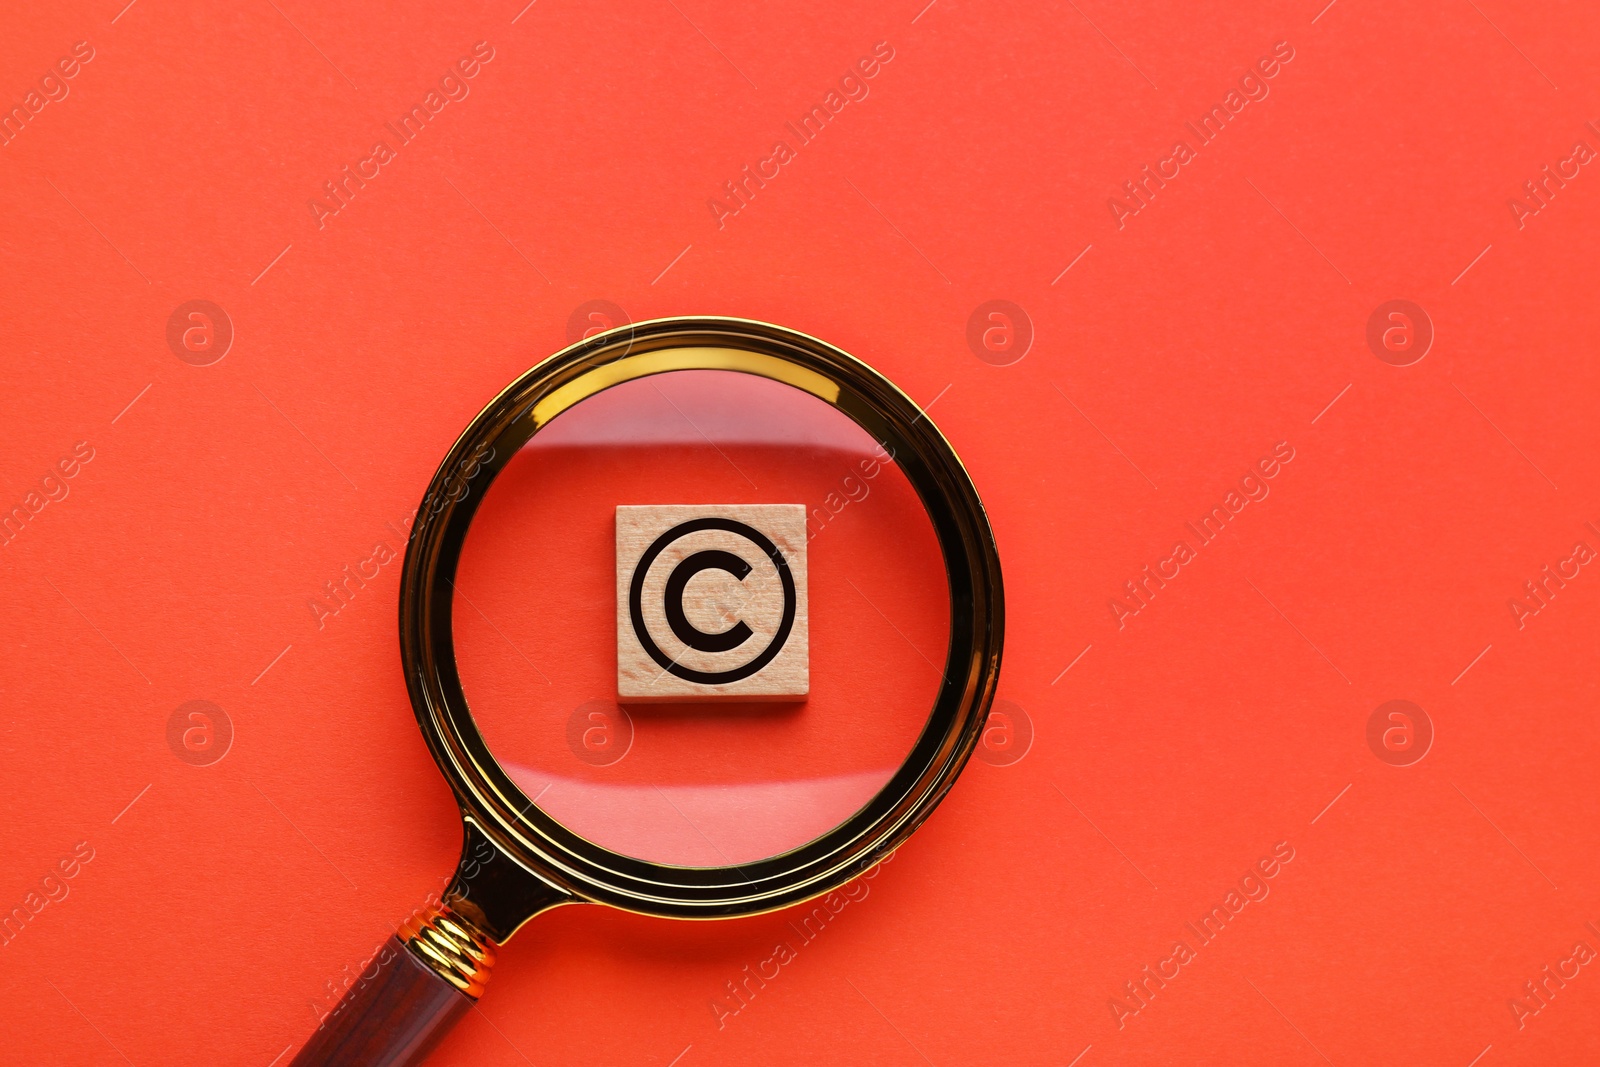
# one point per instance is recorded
(700, 618)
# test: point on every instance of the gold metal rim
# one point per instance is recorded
(451, 947)
(488, 797)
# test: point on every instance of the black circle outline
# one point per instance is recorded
(677, 533)
(495, 808)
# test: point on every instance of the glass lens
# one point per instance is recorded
(701, 618)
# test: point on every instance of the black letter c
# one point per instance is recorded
(710, 560)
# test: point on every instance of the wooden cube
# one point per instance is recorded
(711, 602)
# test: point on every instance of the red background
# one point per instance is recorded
(1220, 320)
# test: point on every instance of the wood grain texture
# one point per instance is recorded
(393, 1018)
(711, 603)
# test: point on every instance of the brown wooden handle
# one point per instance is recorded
(433, 971)
(391, 1019)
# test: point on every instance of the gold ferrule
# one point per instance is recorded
(451, 947)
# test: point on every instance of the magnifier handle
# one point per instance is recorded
(426, 978)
